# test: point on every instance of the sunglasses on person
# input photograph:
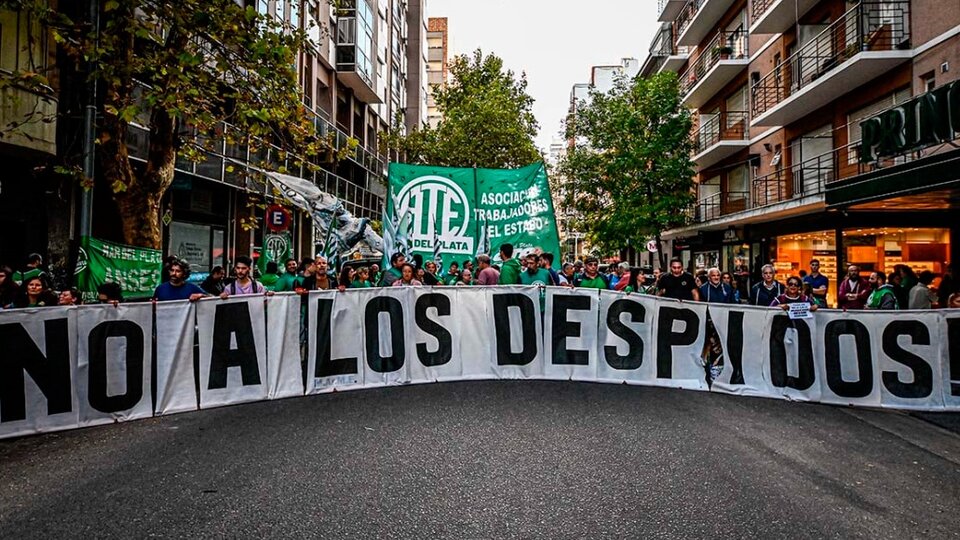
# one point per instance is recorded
(793, 284)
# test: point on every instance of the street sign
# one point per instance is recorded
(278, 218)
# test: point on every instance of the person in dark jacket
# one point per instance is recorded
(715, 291)
(763, 293)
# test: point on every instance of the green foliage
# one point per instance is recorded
(487, 119)
(629, 173)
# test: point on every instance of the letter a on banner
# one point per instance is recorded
(113, 366)
(233, 355)
(37, 370)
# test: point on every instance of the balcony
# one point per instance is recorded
(697, 18)
(719, 204)
(35, 113)
(669, 9)
(866, 42)
(355, 51)
(719, 137)
(777, 16)
(714, 66)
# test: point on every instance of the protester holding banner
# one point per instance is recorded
(534, 274)
(213, 284)
(763, 293)
(792, 295)
(244, 284)
(406, 277)
(488, 275)
(592, 278)
(678, 284)
(361, 279)
(883, 295)
(397, 260)
(854, 290)
(715, 291)
(177, 287)
(566, 275)
(510, 267)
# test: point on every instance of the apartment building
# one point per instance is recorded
(438, 64)
(823, 130)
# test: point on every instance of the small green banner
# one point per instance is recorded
(471, 211)
(136, 269)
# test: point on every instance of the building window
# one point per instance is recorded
(929, 81)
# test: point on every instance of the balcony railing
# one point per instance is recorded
(723, 126)
(662, 44)
(760, 7)
(725, 46)
(687, 14)
(720, 204)
(869, 26)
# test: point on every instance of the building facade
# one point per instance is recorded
(365, 71)
(780, 91)
(438, 57)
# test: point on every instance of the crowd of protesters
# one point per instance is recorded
(901, 289)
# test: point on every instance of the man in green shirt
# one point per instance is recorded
(287, 281)
(509, 268)
(534, 274)
(592, 278)
(453, 275)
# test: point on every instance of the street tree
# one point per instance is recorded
(629, 171)
(487, 119)
(193, 72)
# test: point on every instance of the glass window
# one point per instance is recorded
(793, 254)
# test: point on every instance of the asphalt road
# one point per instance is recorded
(492, 460)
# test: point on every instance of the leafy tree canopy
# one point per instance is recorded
(184, 69)
(628, 173)
(487, 119)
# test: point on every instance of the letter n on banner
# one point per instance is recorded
(37, 370)
(515, 318)
(335, 347)
(233, 350)
(625, 338)
(570, 334)
(113, 367)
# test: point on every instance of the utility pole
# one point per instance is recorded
(89, 130)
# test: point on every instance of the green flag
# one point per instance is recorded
(135, 269)
(513, 204)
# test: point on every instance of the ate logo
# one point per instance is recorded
(439, 206)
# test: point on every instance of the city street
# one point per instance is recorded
(498, 459)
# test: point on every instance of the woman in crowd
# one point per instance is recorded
(345, 281)
(407, 277)
(8, 288)
(730, 280)
(70, 297)
(792, 295)
(634, 281)
(34, 292)
(361, 279)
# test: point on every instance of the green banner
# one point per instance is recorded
(136, 269)
(277, 247)
(471, 211)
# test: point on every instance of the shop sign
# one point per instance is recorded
(730, 235)
(278, 218)
(928, 119)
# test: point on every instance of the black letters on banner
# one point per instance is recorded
(563, 328)
(324, 366)
(634, 357)
(528, 326)
(391, 306)
(778, 354)
(50, 373)
(132, 334)
(444, 351)
(667, 339)
(864, 383)
(953, 340)
(922, 385)
(733, 348)
(233, 319)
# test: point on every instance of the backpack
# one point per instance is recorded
(233, 286)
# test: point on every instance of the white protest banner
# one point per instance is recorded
(283, 346)
(745, 336)
(335, 344)
(477, 358)
(570, 334)
(678, 344)
(233, 350)
(176, 376)
(435, 335)
(950, 357)
(843, 352)
(906, 347)
(38, 370)
(387, 316)
(625, 338)
(514, 316)
(114, 362)
(788, 358)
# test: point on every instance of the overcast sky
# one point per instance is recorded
(554, 41)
